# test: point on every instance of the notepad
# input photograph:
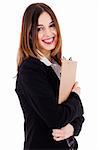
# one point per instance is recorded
(67, 80)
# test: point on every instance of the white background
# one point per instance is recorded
(79, 21)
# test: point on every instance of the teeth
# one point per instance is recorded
(48, 40)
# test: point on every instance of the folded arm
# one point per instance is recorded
(71, 129)
(32, 78)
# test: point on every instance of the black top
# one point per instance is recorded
(37, 87)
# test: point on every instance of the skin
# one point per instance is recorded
(47, 34)
(47, 39)
(63, 133)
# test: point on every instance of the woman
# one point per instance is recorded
(48, 125)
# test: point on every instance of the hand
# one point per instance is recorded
(63, 133)
(76, 88)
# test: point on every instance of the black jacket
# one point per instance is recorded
(37, 87)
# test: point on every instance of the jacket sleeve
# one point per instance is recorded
(77, 124)
(34, 82)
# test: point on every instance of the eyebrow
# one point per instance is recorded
(42, 24)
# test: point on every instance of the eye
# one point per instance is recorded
(39, 28)
(52, 25)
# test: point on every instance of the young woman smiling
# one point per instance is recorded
(48, 125)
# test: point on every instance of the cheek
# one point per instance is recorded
(55, 33)
(56, 36)
(40, 37)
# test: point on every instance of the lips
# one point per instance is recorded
(48, 40)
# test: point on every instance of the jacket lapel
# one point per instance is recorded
(53, 80)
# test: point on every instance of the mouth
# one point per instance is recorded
(49, 40)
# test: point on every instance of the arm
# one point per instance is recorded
(71, 129)
(77, 124)
(33, 80)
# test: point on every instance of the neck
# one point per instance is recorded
(46, 54)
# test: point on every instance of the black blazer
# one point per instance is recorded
(37, 87)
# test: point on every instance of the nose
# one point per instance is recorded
(48, 32)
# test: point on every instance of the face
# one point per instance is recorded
(47, 34)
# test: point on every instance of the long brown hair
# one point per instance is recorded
(28, 37)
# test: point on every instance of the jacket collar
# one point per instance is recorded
(44, 59)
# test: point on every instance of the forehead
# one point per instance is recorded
(44, 18)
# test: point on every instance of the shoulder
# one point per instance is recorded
(32, 70)
(31, 63)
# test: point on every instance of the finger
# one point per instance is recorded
(57, 135)
(62, 137)
(58, 138)
(57, 131)
(76, 84)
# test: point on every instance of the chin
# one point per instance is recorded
(49, 48)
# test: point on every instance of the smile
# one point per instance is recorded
(49, 40)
